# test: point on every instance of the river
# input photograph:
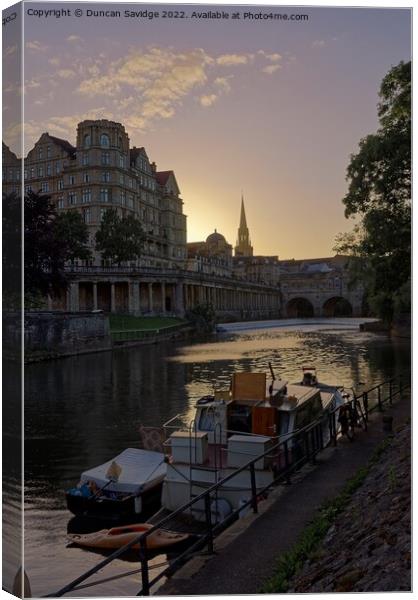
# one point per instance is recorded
(81, 411)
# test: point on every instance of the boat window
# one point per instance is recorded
(284, 419)
(207, 419)
(240, 419)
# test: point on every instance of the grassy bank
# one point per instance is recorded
(292, 561)
(129, 322)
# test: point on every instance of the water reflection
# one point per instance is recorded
(81, 411)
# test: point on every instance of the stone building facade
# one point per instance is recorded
(213, 256)
(100, 172)
(319, 287)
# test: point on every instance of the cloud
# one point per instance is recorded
(275, 57)
(228, 60)
(270, 69)
(223, 83)
(318, 44)
(144, 86)
(32, 83)
(66, 73)
(10, 50)
(208, 100)
(159, 77)
(74, 38)
(36, 46)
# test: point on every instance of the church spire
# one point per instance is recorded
(243, 220)
(243, 247)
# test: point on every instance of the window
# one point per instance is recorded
(104, 140)
(102, 212)
(58, 167)
(48, 151)
(45, 187)
(105, 158)
(49, 169)
(104, 195)
(130, 201)
(121, 178)
(86, 178)
(40, 153)
(87, 141)
(40, 171)
(123, 198)
(72, 198)
(106, 176)
(86, 196)
(60, 202)
(84, 159)
(71, 179)
(32, 172)
(26, 174)
(28, 188)
(86, 215)
(121, 161)
(60, 184)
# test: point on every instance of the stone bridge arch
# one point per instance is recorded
(337, 306)
(299, 308)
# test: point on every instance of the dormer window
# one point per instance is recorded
(104, 140)
(87, 140)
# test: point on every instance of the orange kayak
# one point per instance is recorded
(119, 536)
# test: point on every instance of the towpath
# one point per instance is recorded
(246, 554)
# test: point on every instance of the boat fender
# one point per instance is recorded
(206, 399)
(220, 509)
(244, 510)
(138, 504)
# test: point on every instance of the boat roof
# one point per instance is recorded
(141, 469)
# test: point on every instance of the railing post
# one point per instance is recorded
(313, 445)
(144, 567)
(306, 444)
(253, 489)
(209, 523)
(287, 462)
(379, 398)
(366, 406)
(334, 428)
(321, 437)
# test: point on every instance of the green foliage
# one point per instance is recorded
(292, 561)
(119, 239)
(379, 194)
(12, 244)
(51, 240)
(203, 317)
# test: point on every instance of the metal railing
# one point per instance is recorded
(287, 457)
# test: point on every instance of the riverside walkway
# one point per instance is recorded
(246, 553)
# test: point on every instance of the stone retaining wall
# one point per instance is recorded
(49, 334)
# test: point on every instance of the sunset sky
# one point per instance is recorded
(272, 109)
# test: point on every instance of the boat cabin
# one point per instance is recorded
(254, 406)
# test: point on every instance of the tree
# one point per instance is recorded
(12, 251)
(379, 194)
(51, 240)
(119, 239)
